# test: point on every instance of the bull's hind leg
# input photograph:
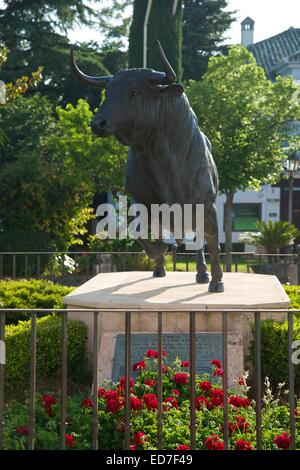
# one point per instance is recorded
(156, 250)
(202, 276)
(211, 236)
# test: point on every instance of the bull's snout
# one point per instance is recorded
(99, 125)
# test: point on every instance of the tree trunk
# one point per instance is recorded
(228, 230)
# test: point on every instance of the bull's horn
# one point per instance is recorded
(170, 74)
(98, 82)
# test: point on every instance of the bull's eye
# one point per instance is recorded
(135, 93)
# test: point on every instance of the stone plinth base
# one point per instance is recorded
(177, 291)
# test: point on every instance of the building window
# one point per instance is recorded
(245, 217)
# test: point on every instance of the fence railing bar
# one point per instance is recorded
(225, 379)
(38, 266)
(159, 382)
(258, 387)
(26, 265)
(32, 385)
(64, 379)
(14, 266)
(127, 379)
(87, 266)
(192, 380)
(149, 309)
(174, 260)
(291, 378)
(95, 380)
(2, 371)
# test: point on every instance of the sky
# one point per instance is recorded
(271, 17)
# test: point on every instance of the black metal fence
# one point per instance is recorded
(83, 265)
(96, 438)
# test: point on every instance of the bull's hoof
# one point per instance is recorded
(202, 278)
(159, 272)
(216, 286)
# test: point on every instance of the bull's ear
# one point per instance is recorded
(173, 90)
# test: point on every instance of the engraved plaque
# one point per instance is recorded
(208, 347)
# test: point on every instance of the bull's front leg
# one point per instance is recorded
(156, 250)
(211, 232)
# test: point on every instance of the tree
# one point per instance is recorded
(163, 25)
(204, 25)
(35, 34)
(244, 115)
(50, 170)
(10, 91)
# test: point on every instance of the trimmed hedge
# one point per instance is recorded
(274, 345)
(48, 350)
(294, 294)
(31, 294)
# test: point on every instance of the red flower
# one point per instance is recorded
(150, 382)
(22, 430)
(151, 353)
(132, 447)
(154, 354)
(175, 392)
(218, 372)
(242, 381)
(69, 440)
(183, 447)
(240, 444)
(217, 363)
(283, 441)
(241, 423)
(139, 438)
(136, 403)
(150, 400)
(214, 442)
(87, 403)
(48, 400)
(113, 406)
(239, 402)
(139, 365)
(205, 386)
(217, 397)
(173, 403)
(185, 363)
(101, 392)
(200, 402)
(231, 428)
(181, 378)
(111, 395)
(123, 380)
(164, 369)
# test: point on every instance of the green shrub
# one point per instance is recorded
(30, 294)
(48, 350)
(294, 294)
(274, 344)
(274, 356)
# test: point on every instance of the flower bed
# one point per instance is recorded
(144, 403)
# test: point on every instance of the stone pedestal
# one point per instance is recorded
(177, 291)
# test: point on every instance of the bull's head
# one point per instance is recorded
(133, 100)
